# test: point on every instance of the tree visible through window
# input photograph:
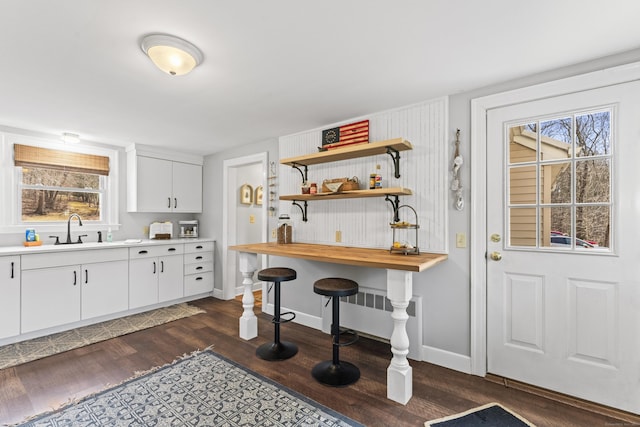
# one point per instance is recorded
(52, 195)
(560, 182)
(54, 184)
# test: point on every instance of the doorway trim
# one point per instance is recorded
(229, 204)
(478, 208)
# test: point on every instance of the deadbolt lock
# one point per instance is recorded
(495, 238)
(496, 256)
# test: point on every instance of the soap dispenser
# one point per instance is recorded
(109, 235)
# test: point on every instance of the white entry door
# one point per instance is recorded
(563, 244)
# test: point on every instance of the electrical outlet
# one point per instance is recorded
(145, 230)
(252, 219)
(273, 233)
(461, 240)
(338, 236)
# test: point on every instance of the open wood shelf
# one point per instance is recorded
(351, 194)
(349, 152)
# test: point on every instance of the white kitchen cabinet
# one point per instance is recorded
(155, 274)
(50, 297)
(159, 183)
(198, 268)
(62, 288)
(105, 287)
(9, 296)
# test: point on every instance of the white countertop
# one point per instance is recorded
(24, 250)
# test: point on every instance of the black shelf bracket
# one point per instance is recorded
(304, 211)
(304, 174)
(395, 156)
(395, 204)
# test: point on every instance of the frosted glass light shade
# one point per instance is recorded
(171, 54)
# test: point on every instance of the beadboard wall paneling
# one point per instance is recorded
(365, 222)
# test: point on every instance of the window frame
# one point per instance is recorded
(11, 175)
(573, 204)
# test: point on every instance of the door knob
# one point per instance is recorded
(496, 256)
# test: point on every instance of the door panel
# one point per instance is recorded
(563, 312)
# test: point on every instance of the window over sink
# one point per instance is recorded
(46, 181)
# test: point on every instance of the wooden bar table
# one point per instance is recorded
(400, 269)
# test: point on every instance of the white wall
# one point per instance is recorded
(445, 288)
(211, 217)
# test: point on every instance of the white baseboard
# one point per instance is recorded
(304, 319)
(447, 359)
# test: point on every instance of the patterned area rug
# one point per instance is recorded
(37, 348)
(204, 389)
(489, 415)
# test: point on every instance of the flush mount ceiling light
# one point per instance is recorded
(70, 138)
(171, 54)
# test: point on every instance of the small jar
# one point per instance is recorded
(314, 188)
(285, 229)
(305, 188)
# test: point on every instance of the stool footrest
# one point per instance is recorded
(288, 313)
(353, 340)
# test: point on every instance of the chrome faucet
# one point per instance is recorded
(69, 227)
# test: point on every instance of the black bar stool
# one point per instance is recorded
(277, 350)
(334, 372)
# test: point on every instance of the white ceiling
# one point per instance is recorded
(276, 67)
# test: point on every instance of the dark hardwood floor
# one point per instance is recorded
(38, 386)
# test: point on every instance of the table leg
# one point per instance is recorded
(399, 372)
(248, 264)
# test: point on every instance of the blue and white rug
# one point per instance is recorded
(204, 389)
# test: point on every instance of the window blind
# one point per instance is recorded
(29, 156)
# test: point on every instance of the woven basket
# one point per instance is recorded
(342, 184)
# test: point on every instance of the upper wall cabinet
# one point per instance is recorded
(163, 182)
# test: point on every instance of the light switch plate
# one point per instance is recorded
(461, 240)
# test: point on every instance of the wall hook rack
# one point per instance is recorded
(456, 185)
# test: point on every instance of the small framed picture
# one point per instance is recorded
(258, 197)
(246, 194)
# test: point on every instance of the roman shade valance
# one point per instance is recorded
(29, 156)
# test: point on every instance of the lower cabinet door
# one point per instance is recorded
(50, 297)
(105, 288)
(171, 278)
(9, 296)
(143, 282)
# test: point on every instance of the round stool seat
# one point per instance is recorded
(277, 274)
(335, 287)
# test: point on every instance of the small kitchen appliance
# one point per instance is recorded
(160, 230)
(188, 228)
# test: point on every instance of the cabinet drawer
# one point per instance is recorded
(198, 247)
(198, 283)
(154, 251)
(202, 267)
(74, 257)
(198, 257)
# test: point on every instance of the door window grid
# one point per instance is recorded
(559, 182)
